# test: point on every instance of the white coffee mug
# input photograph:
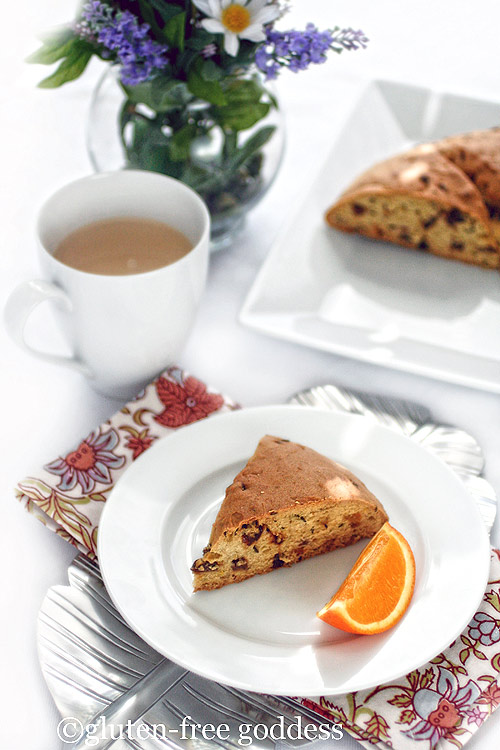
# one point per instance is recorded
(123, 329)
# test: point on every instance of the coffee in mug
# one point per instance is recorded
(122, 245)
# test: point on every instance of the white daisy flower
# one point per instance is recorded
(237, 20)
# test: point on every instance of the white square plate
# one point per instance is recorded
(370, 300)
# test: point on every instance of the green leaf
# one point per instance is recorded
(413, 679)
(186, 59)
(427, 678)
(54, 48)
(494, 599)
(407, 716)
(479, 654)
(495, 662)
(400, 700)
(488, 678)
(211, 72)
(180, 142)
(210, 91)
(464, 655)
(160, 94)
(244, 107)
(165, 9)
(454, 740)
(149, 17)
(199, 39)
(71, 67)
(168, 95)
(140, 94)
(378, 726)
(149, 148)
(241, 116)
(244, 91)
(273, 100)
(98, 497)
(174, 31)
(439, 659)
(253, 144)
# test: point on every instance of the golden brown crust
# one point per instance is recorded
(422, 172)
(282, 474)
(289, 503)
(477, 154)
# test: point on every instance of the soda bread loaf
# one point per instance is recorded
(443, 198)
(288, 503)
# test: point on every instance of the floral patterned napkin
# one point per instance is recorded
(68, 494)
(440, 705)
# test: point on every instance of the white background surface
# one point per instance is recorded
(45, 410)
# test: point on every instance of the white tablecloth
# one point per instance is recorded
(445, 45)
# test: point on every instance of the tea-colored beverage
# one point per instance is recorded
(122, 245)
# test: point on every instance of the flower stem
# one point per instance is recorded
(230, 144)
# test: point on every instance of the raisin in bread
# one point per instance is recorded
(289, 503)
(422, 200)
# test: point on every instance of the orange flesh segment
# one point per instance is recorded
(378, 590)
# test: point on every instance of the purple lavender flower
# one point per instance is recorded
(348, 39)
(209, 50)
(297, 50)
(125, 39)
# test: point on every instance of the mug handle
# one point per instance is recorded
(21, 303)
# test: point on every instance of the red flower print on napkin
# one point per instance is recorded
(185, 403)
(138, 442)
(491, 696)
(89, 464)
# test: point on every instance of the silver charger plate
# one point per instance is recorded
(95, 666)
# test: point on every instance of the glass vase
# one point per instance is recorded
(231, 169)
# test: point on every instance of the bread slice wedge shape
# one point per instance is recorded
(421, 200)
(287, 504)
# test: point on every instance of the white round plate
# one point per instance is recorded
(263, 634)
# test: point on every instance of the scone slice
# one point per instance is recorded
(289, 503)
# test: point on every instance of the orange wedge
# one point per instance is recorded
(378, 590)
